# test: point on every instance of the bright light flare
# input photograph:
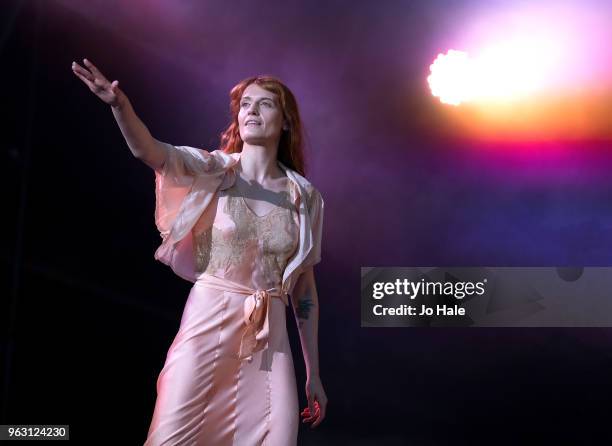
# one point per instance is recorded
(527, 72)
(451, 77)
(504, 71)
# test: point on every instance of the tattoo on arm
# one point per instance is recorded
(302, 309)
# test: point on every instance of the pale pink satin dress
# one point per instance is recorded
(221, 384)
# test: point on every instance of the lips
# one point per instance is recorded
(251, 121)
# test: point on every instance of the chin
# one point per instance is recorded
(253, 140)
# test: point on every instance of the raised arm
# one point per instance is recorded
(137, 136)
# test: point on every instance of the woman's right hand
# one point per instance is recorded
(109, 92)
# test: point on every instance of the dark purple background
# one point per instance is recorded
(95, 313)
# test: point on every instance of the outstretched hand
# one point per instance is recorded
(98, 84)
(317, 402)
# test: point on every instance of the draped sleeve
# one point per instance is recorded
(315, 205)
(184, 186)
(174, 180)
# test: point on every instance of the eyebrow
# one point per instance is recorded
(261, 97)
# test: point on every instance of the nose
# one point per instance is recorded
(253, 108)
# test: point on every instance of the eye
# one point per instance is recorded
(267, 103)
(244, 104)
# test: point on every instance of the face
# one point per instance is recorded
(260, 118)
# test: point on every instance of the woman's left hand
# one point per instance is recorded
(317, 401)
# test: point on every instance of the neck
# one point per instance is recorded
(259, 163)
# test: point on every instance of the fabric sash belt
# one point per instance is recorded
(256, 312)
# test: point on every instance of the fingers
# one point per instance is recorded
(82, 71)
(84, 79)
(310, 417)
(94, 70)
(311, 414)
(318, 415)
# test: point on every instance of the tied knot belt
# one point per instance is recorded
(256, 312)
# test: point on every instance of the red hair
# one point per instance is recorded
(291, 144)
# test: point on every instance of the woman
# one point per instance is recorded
(245, 226)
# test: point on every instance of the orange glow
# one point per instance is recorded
(568, 117)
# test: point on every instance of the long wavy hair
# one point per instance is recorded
(291, 144)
